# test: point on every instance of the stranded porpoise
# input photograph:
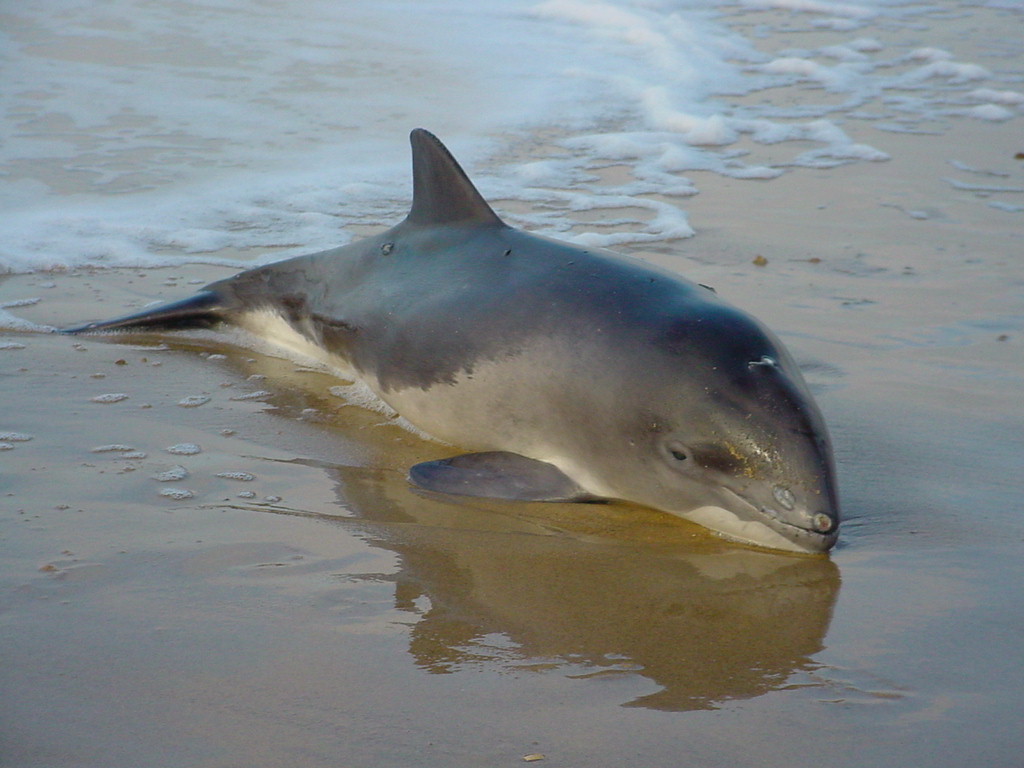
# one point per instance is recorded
(572, 374)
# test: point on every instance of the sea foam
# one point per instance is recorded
(242, 133)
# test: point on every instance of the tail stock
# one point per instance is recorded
(199, 310)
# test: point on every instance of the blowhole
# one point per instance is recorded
(764, 362)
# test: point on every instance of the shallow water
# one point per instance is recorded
(323, 613)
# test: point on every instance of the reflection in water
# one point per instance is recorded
(598, 588)
(578, 585)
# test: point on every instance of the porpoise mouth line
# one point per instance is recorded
(769, 514)
(764, 515)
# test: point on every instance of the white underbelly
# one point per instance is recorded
(507, 405)
(498, 406)
(268, 326)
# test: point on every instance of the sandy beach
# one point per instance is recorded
(211, 558)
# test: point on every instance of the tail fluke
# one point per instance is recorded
(202, 309)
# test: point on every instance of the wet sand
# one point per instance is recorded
(304, 606)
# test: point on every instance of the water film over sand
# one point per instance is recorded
(212, 558)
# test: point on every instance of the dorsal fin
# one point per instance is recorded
(441, 191)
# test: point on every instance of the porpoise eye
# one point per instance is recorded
(677, 451)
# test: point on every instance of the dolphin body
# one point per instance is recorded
(572, 374)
